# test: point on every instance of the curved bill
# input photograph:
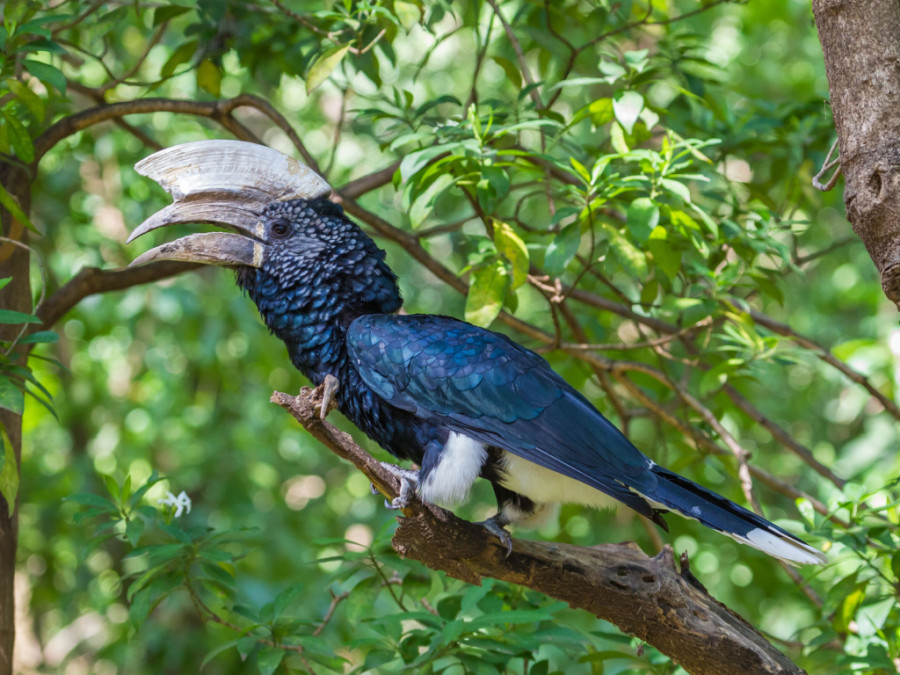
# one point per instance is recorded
(242, 216)
(212, 248)
(226, 183)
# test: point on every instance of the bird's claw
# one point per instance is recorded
(408, 482)
(495, 526)
(329, 389)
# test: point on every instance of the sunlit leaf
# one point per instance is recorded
(511, 247)
(627, 106)
(643, 216)
(323, 66)
(19, 138)
(208, 77)
(486, 292)
(33, 102)
(665, 253)
(632, 259)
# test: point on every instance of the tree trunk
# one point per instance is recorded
(14, 262)
(861, 43)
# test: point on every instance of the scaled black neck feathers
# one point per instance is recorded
(320, 272)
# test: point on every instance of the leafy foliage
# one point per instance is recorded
(624, 185)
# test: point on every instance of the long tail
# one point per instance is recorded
(690, 500)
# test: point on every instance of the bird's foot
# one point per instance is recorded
(408, 482)
(496, 526)
(329, 389)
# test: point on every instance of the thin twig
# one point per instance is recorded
(520, 55)
(826, 356)
(336, 599)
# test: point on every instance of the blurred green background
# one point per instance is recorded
(174, 377)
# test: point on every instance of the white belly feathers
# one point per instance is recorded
(462, 459)
(460, 463)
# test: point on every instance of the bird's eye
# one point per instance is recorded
(281, 228)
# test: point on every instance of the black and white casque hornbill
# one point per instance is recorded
(460, 401)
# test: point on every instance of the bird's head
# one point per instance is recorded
(295, 253)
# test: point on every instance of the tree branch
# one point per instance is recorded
(92, 280)
(643, 596)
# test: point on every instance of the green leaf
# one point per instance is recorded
(643, 216)
(90, 499)
(715, 377)
(10, 316)
(649, 292)
(218, 650)
(666, 256)
(768, 285)
(627, 106)
(182, 54)
(287, 597)
(617, 139)
(601, 111)
(633, 260)
(208, 77)
(40, 336)
(47, 74)
(562, 249)
(612, 70)
(150, 596)
(848, 607)
(268, 659)
(133, 531)
(511, 247)
(424, 204)
(676, 188)
(323, 66)
(12, 398)
(29, 99)
(580, 169)
(42, 45)
(9, 471)
(378, 657)
(112, 487)
(362, 598)
(511, 70)
(415, 161)
(19, 138)
(163, 14)
(486, 293)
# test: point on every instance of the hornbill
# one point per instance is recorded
(460, 401)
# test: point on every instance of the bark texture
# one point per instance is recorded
(14, 262)
(646, 597)
(861, 43)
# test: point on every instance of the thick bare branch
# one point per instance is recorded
(219, 111)
(643, 596)
(93, 280)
